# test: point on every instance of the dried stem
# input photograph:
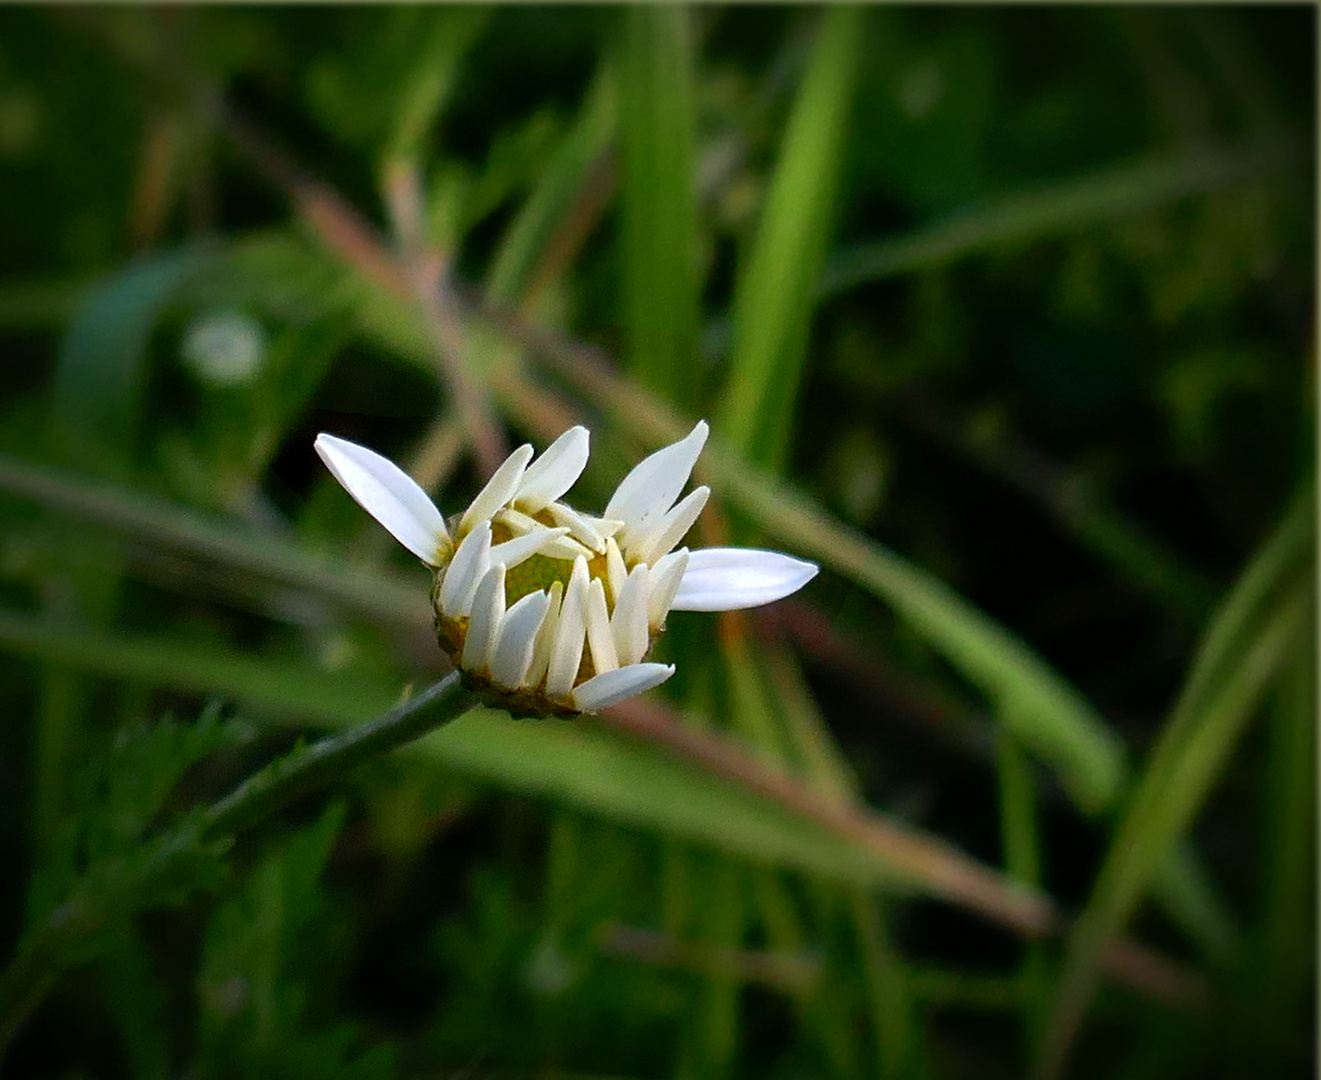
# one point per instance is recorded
(942, 870)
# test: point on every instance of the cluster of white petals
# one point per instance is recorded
(556, 609)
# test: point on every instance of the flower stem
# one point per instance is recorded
(50, 947)
(304, 770)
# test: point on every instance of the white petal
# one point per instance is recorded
(518, 633)
(726, 579)
(565, 547)
(557, 470)
(612, 687)
(616, 573)
(655, 482)
(517, 522)
(599, 637)
(388, 493)
(568, 649)
(665, 578)
(604, 526)
(465, 570)
(499, 489)
(521, 548)
(629, 621)
(545, 638)
(488, 608)
(674, 526)
(580, 527)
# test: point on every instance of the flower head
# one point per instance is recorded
(553, 609)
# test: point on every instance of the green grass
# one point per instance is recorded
(1004, 324)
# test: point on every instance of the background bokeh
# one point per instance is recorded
(1004, 316)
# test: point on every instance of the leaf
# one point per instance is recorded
(114, 797)
(100, 375)
(430, 81)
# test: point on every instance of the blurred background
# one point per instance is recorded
(1004, 316)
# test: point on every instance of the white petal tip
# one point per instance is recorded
(728, 579)
(612, 687)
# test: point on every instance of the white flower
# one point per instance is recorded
(553, 609)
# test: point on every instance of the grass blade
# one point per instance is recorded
(774, 300)
(656, 109)
(383, 598)
(100, 376)
(1117, 192)
(1260, 621)
(678, 783)
(541, 215)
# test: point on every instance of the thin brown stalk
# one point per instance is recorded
(789, 973)
(426, 271)
(420, 278)
(942, 870)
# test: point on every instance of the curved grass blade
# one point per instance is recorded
(1109, 194)
(184, 529)
(100, 375)
(1243, 649)
(774, 300)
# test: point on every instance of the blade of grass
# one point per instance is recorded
(541, 215)
(428, 86)
(1287, 880)
(1119, 191)
(709, 1040)
(1260, 621)
(386, 599)
(774, 299)
(774, 708)
(100, 374)
(1022, 858)
(656, 110)
(663, 777)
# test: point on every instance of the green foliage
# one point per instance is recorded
(268, 973)
(115, 800)
(1002, 317)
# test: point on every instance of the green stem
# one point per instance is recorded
(51, 947)
(302, 771)
(1022, 847)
